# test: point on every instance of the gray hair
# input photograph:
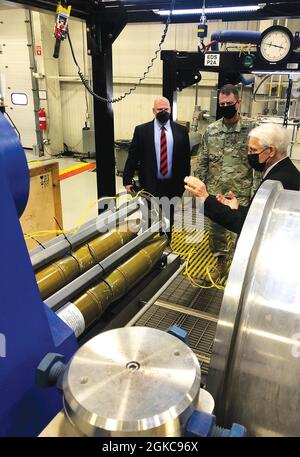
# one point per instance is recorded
(272, 135)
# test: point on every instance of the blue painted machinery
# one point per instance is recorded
(28, 329)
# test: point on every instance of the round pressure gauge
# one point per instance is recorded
(276, 44)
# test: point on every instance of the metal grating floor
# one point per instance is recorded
(201, 331)
(180, 292)
(208, 300)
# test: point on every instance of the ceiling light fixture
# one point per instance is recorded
(225, 9)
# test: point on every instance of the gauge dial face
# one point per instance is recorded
(275, 46)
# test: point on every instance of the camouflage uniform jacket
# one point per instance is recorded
(222, 159)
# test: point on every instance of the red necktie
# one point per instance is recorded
(163, 152)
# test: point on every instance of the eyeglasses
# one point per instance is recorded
(255, 151)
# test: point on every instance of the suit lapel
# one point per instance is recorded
(151, 148)
(175, 142)
(277, 167)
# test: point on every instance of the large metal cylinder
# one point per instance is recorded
(55, 276)
(254, 373)
(133, 381)
(95, 300)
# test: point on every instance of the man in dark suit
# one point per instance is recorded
(268, 145)
(160, 152)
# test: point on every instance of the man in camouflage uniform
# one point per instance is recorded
(223, 166)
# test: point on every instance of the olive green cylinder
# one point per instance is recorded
(95, 300)
(57, 275)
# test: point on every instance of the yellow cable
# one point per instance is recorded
(74, 230)
(212, 281)
(192, 280)
(82, 218)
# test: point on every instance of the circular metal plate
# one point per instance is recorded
(130, 380)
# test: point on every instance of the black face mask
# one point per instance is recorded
(253, 160)
(163, 117)
(228, 111)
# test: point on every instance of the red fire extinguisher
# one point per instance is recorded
(42, 119)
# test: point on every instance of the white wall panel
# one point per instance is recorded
(15, 68)
(185, 37)
(134, 110)
(51, 68)
(73, 114)
(73, 97)
(134, 48)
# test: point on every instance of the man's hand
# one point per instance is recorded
(231, 201)
(129, 187)
(196, 187)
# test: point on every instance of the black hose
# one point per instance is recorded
(135, 86)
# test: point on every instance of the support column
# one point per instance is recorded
(169, 75)
(100, 40)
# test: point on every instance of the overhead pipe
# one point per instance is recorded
(55, 276)
(234, 36)
(240, 36)
(93, 303)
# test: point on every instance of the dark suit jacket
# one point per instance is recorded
(233, 219)
(142, 157)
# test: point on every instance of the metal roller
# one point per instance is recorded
(59, 246)
(254, 374)
(115, 285)
(55, 276)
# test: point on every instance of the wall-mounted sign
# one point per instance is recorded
(212, 60)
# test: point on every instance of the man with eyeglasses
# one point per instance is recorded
(223, 167)
(267, 152)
